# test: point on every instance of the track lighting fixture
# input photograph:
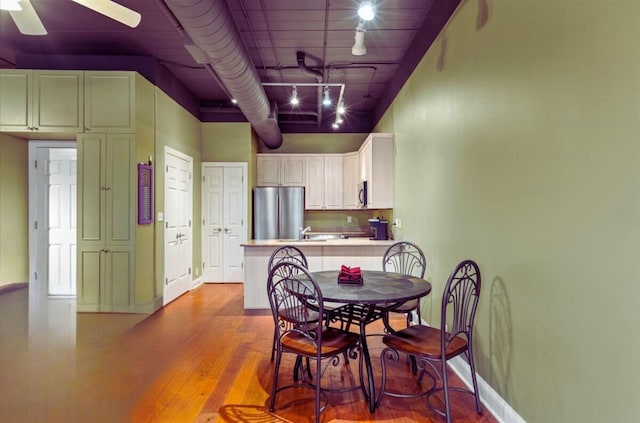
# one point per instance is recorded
(366, 11)
(294, 97)
(326, 100)
(359, 49)
(340, 110)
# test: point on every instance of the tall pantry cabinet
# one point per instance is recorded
(108, 233)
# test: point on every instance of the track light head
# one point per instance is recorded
(294, 97)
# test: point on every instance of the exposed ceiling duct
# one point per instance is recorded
(211, 27)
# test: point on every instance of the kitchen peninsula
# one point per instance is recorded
(327, 254)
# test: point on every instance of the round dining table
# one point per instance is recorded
(365, 302)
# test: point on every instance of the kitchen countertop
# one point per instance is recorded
(348, 242)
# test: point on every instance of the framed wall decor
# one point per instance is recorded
(145, 194)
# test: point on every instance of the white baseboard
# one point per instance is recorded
(196, 282)
(494, 403)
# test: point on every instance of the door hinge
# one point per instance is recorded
(189, 222)
(203, 179)
(189, 270)
(35, 274)
(202, 222)
(166, 225)
(203, 265)
(35, 164)
(167, 168)
(242, 265)
(166, 281)
(35, 225)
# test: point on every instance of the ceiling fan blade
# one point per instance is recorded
(27, 20)
(113, 10)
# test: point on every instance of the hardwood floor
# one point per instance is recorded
(200, 359)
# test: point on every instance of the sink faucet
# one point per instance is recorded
(304, 231)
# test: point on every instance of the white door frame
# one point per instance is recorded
(36, 274)
(170, 295)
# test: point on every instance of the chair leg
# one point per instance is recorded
(473, 377)
(273, 346)
(318, 388)
(276, 371)
(445, 386)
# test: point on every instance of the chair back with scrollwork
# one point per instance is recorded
(296, 303)
(287, 253)
(459, 303)
(406, 258)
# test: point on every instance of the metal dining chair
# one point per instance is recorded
(406, 258)
(431, 345)
(292, 293)
(289, 254)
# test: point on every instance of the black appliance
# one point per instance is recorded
(362, 194)
(379, 229)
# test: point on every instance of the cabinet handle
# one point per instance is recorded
(217, 230)
(227, 230)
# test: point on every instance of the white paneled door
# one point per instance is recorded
(177, 220)
(224, 221)
(54, 203)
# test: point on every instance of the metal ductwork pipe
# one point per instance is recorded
(210, 25)
(300, 56)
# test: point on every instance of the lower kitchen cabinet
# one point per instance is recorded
(105, 280)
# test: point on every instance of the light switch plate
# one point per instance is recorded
(160, 216)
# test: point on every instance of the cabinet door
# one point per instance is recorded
(90, 268)
(351, 177)
(268, 171)
(333, 182)
(119, 159)
(57, 101)
(109, 99)
(15, 96)
(314, 188)
(91, 207)
(293, 171)
(118, 279)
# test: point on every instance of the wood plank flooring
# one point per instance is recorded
(203, 358)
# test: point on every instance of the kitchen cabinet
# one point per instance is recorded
(41, 101)
(323, 188)
(376, 167)
(285, 170)
(106, 222)
(351, 177)
(110, 105)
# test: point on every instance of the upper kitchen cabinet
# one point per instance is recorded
(41, 101)
(351, 177)
(324, 182)
(276, 170)
(110, 105)
(376, 167)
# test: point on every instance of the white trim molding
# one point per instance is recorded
(494, 403)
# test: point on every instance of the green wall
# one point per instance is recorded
(14, 211)
(178, 129)
(520, 128)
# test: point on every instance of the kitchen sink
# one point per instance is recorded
(321, 237)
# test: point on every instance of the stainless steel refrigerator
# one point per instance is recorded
(278, 212)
